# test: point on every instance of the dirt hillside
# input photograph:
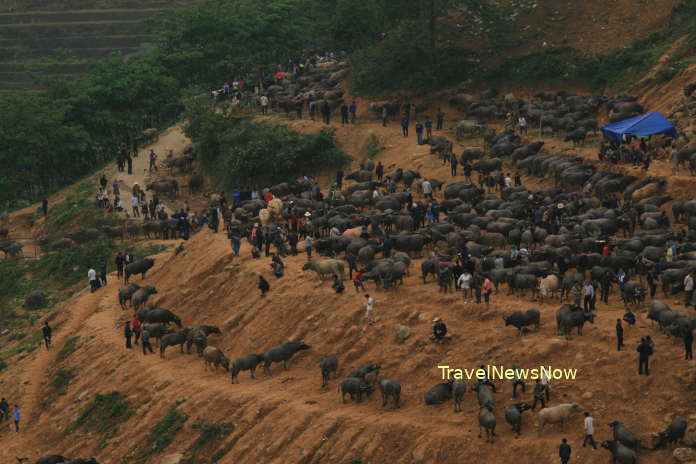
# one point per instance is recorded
(288, 418)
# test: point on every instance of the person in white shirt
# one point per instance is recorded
(464, 283)
(589, 431)
(134, 206)
(427, 189)
(545, 382)
(375, 194)
(368, 308)
(688, 288)
(508, 181)
(264, 104)
(523, 124)
(92, 277)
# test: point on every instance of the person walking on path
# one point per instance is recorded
(688, 344)
(92, 277)
(369, 306)
(644, 352)
(404, 126)
(589, 431)
(385, 116)
(344, 114)
(453, 165)
(46, 334)
(353, 109)
(145, 340)
(129, 159)
(102, 273)
(379, 170)
(619, 335)
(487, 290)
(128, 333)
(17, 416)
(564, 451)
(44, 207)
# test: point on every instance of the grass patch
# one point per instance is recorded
(68, 267)
(69, 347)
(78, 208)
(103, 415)
(28, 344)
(374, 147)
(149, 250)
(162, 433)
(205, 449)
(59, 386)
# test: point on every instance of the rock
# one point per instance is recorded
(402, 333)
(587, 395)
(82, 395)
(684, 454)
(172, 459)
(418, 455)
(36, 299)
(579, 357)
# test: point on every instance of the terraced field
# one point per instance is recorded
(31, 29)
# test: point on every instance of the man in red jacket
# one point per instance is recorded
(136, 326)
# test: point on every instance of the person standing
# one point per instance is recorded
(487, 290)
(44, 207)
(589, 431)
(619, 335)
(145, 340)
(153, 161)
(464, 284)
(404, 126)
(564, 451)
(92, 277)
(344, 114)
(128, 333)
(129, 159)
(385, 116)
(439, 330)
(428, 127)
(353, 109)
(263, 100)
(102, 273)
(419, 132)
(17, 416)
(120, 262)
(379, 170)
(440, 119)
(517, 380)
(136, 327)
(523, 124)
(539, 395)
(339, 179)
(688, 288)
(453, 165)
(326, 112)
(688, 344)
(427, 189)
(644, 351)
(4, 410)
(588, 294)
(369, 306)
(467, 172)
(46, 330)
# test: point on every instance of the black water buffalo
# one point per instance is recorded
(138, 267)
(281, 353)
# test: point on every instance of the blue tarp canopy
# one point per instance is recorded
(641, 126)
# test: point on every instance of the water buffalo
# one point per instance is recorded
(282, 353)
(355, 387)
(245, 363)
(521, 319)
(138, 267)
(390, 388)
(328, 364)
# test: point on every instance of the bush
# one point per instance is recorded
(68, 348)
(238, 152)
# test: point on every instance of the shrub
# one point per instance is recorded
(103, 414)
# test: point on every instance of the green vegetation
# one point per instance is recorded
(27, 345)
(68, 267)
(241, 149)
(69, 347)
(78, 208)
(205, 449)
(149, 250)
(103, 415)
(162, 433)
(59, 386)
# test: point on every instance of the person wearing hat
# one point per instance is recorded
(439, 330)
(517, 380)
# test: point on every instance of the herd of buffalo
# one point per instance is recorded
(597, 224)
